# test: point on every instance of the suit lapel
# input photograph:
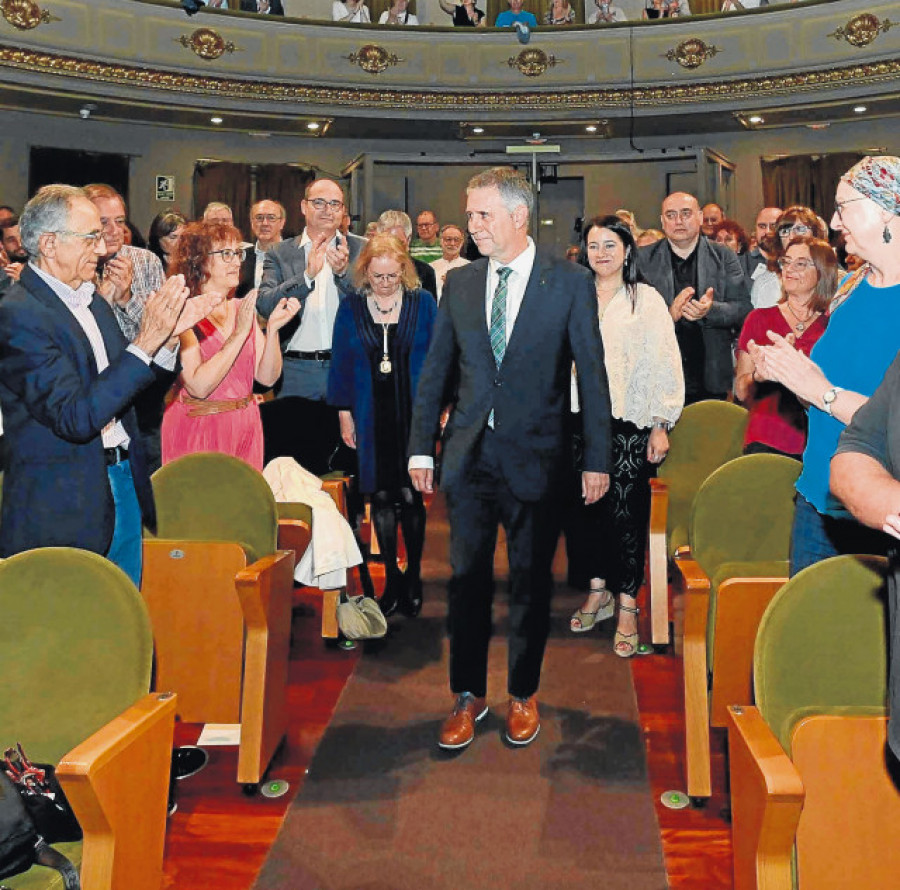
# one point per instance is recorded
(113, 338)
(528, 317)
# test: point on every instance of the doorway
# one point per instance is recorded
(560, 208)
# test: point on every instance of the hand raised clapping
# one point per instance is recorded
(283, 312)
(161, 314)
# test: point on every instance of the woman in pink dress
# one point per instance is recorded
(213, 408)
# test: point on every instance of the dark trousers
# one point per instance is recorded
(476, 509)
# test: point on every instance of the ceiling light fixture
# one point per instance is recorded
(215, 120)
(860, 109)
(591, 128)
(477, 130)
(313, 125)
(755, 119)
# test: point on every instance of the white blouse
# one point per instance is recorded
(642, 358)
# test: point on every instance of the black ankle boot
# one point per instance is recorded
(394, 594)
(411, 601)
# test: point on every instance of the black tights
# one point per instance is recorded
(404, 505)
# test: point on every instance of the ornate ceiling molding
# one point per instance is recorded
(25, 14)
(446, 99)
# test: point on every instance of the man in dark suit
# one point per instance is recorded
(703, 285)
(316, 268)
(77, 473)
(508, 328)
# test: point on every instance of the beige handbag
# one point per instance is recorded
(360, 618)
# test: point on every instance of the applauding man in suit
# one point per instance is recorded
(508, 328)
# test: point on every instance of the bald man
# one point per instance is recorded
(703, 285)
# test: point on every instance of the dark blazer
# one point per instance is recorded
(350, 375)
(248, 273)
(283, 276)
(426, 275)
(718, 268)
(55, 405)
(250, 6)
(529, 393)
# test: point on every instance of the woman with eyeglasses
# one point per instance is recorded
(381, 335)
(646, 386)
(795, 222)
(777, 423)
(849, 360)
(213, 408)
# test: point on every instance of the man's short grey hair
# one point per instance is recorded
(393, 219)
(47, 211)
(514, 188)
(278, 204)
(213, 206)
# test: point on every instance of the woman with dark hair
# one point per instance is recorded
(795, 222)
(646, 385)
(381, 335)
(164, 232)
(777, 423)
(213, 408)
(732, 235)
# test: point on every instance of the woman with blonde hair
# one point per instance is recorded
(381, 336)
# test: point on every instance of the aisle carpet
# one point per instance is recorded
(384, 809)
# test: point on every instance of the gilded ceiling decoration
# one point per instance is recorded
(862, 29)
(692, 53)
(207, 43)
(533, 62)
(373, 58)
(25, 14)
(446, 99)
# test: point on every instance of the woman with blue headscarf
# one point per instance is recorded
(848, 362)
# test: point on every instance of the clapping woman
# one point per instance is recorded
(213, 408)
(381, 335)
(646, 384)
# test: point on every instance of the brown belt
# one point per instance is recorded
(203, 407)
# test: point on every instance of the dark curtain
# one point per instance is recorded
(225, 182)
(284, 183)
(809, 180)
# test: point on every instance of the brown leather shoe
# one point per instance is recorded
(458, 729)
(523, 722)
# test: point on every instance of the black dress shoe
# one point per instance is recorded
(394, 593)
(411, 600)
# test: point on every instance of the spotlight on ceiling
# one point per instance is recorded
(755, 119)
(215, 120)
(591, 128)
(477, 130)
(313, 125)
(860, 109)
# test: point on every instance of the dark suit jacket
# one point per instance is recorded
(529, 393)
(718, 268)
(55, 404)
(250, 6)
(426, 276)
(283, 276)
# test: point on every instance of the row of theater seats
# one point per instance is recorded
(212, 622)
(795, 670)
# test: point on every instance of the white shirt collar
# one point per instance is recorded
(77, 298)
(522, 264)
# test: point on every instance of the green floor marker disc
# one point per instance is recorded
(274, 788)
(644, 649)
(348, 644)
(675, 800)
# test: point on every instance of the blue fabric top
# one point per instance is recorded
(858, 346)
(507, 18)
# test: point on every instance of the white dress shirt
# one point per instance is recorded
(319, 309)
(441, 268)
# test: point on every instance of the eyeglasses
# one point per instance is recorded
(385, 278)
(839, 205)
(448, 240)
(321, 204)
(92, 237)
(265, 217)
(118, 222)
(426, 225)
(794, 229)
(685, 213)
(228, 254)
(798, 265)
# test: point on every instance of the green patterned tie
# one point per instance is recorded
(498, 323)
(498, 315)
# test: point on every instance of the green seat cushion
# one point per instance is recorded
(40, 878)
(295, 510)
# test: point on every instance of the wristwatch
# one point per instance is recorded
(828, 398)
(662, 425)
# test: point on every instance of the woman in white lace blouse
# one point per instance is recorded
(646, 385)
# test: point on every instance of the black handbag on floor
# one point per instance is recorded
(34, 813)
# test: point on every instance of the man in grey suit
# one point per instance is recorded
(316, 269)
(508, 328)
(704, 287)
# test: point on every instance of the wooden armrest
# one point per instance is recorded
(294, 535)
(117, 782)
(265, 590)
(659, 505)
(659, 563)
(696, 678)
(766, 799)
(337, 489)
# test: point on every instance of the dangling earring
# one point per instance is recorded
(886, 235)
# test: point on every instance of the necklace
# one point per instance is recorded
(385, 365)
(802, 323)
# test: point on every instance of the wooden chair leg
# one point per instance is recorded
(329, 613)
(659, 564)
